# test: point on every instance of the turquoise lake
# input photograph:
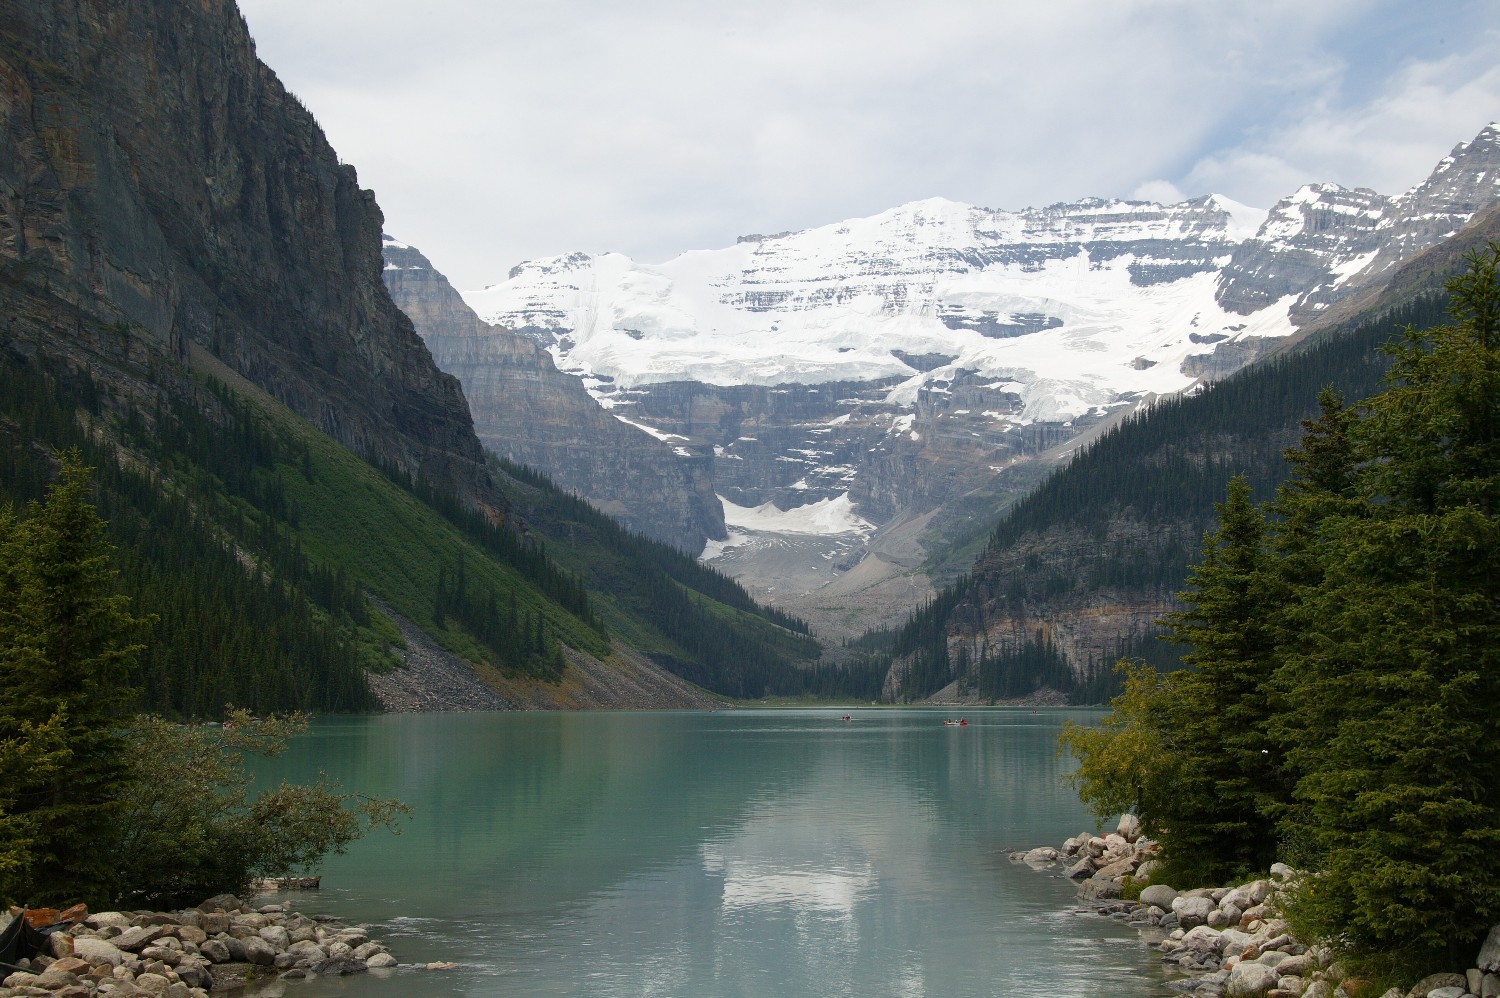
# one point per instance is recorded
(738, 852)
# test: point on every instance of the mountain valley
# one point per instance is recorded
(917, 370)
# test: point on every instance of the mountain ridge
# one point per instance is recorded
(900, 362)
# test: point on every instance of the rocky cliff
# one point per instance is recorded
(528, 411)
(160, 189)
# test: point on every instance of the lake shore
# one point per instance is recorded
(223, 943)
(1227, 942)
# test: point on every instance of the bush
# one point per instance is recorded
(190, 828)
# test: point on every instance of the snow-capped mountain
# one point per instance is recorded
(897, 360)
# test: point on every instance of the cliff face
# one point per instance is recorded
(160, 188)
(528, 411)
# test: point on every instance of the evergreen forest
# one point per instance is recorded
(1337, 709)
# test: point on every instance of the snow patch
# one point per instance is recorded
(826, 517)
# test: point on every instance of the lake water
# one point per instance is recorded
(733, 853)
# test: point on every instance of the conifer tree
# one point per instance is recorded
(1397, 666)
(1213, 715)
(66, 647)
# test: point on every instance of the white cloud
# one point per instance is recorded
(498, 131)
(1160, 191)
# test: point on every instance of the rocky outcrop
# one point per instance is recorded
(221, 944)
(161, 188)
(526, 410)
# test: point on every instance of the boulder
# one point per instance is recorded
(1297, 966)
(259, 952)
(1490, 986)
(154, 984)
(215, 950)
(1191, 911)
(221, 902)
(138, 937)
(1436, 982)
(1451, 991)
(378, 960)
(1160, 895)
(1080, 870)
(98, 951)
(1041, 854)
(191, 934)
(1129, 827)
(1119, 868)
(1489, 953)
(1250, 979)
(276, 936)
(1096, 889)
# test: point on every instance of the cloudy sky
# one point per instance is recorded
(495, 131)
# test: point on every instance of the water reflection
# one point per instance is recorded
(766, 852)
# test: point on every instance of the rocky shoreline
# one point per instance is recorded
(221, 944)
(1227, 942)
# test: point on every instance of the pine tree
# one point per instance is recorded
(1213, 715)
(1398, 663)
(66, 647)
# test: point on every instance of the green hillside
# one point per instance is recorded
(253, 539)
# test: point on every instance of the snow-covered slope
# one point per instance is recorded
(1074, 304)
(900, 358)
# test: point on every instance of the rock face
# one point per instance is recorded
(162, 191)
(902, 360)
(528, 411)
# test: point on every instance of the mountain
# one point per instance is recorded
(532, 414)
(161, 182)
(193, 300)
(899, 362)
(1077, 573)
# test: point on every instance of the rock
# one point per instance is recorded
(1250, 979)
(98, 951)
(378, 960)
(221, 902)
(1433, 982)
(215, 922)
(276, 936)
(1490, 987)
(215, 950)
(1042, 854)
(1097, 889)
(1489, 953)
(306, 949)
(138, 937)
(1280, 871)
(1148, 869)
(1219, 919)
(1119, 868)
(1452, 991)
(1318, 989)
(1290, 985)
(1475, 979)
(1297, 966)
(1160, 895)
(1129, 827)
(1080, 870)
(259, 952)
(339, 965)
(154, 984)
(1191, 911)
(191, 934)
